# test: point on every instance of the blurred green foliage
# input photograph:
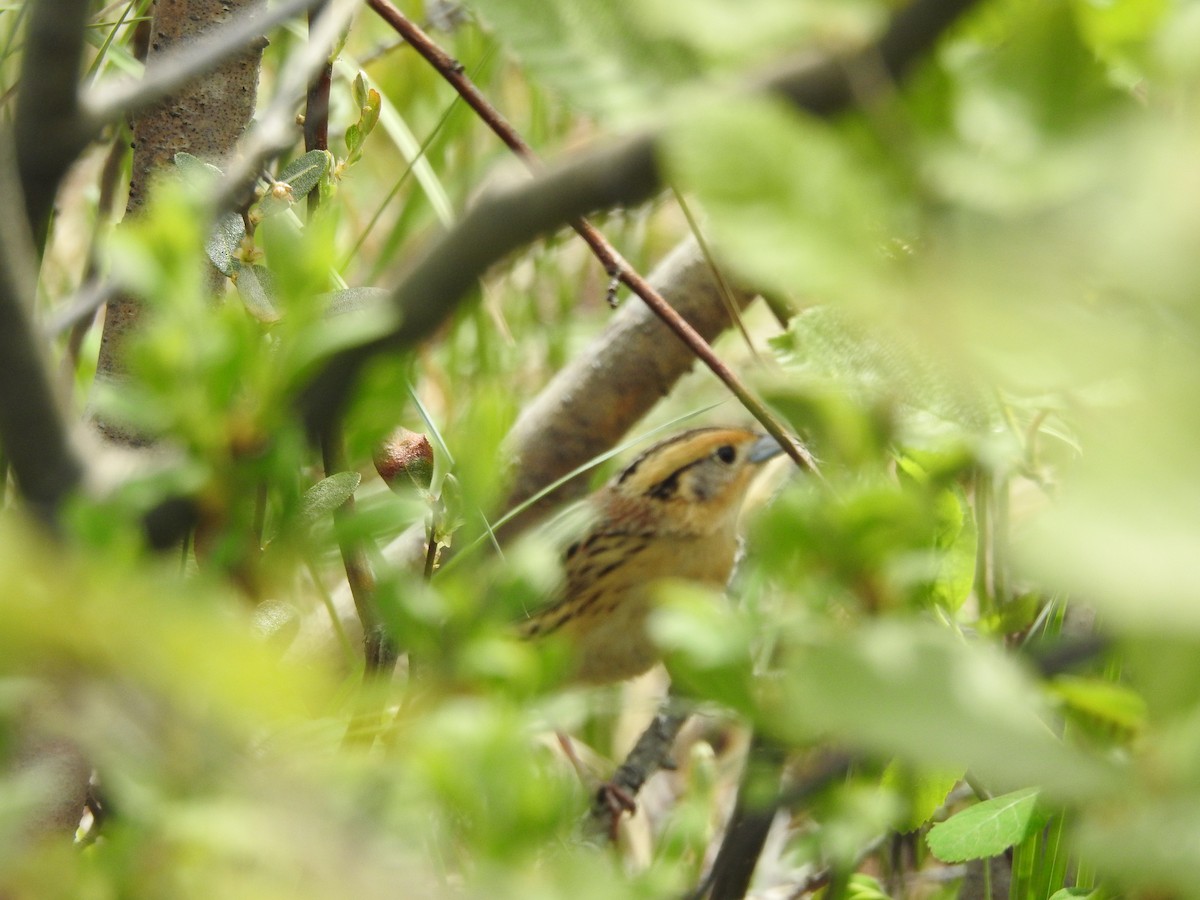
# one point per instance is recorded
(996, 356)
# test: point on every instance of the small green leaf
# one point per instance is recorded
(358, 90)
(369, 104)
(1075, 893)
(256, 287)
(865, 887)
(369, 117)
(1113, 703)
(957, 542)
(327, 495)
(987, 828)
(192, 167)
(926, 792)
(304, 172)
(225, 241)
(355, 300)
(795, 204)
(354, 141)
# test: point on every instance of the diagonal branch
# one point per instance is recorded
(626, 172)
(614, 264)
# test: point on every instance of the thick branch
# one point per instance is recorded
(32, 434)
(614, 382)
(625, 173)
(46, 124)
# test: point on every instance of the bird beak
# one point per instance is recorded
(763, 449)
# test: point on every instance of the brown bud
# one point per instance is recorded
(405, 457)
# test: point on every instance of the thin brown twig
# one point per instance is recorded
(614, 263)
(316, 112)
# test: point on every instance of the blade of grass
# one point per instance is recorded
(102, 53)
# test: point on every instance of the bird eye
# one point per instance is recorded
(726, 453)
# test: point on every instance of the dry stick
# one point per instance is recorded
(614, 264)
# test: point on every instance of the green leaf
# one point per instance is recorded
(926, 792)
(256, 287)
(229, 230)
(368, 118)
(865, 887)
(1121, 32)
(354, 141)
(1076, 893)
(327, 495)
(878, 363)
(925, 695)
(593, 54)
(957, 543)
(195, 170)
(304, 172)
(358, 90)
(225, 241)
(988, 828)
(794, 204)
(706, 644)
(1107, 701)
(299, 177)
